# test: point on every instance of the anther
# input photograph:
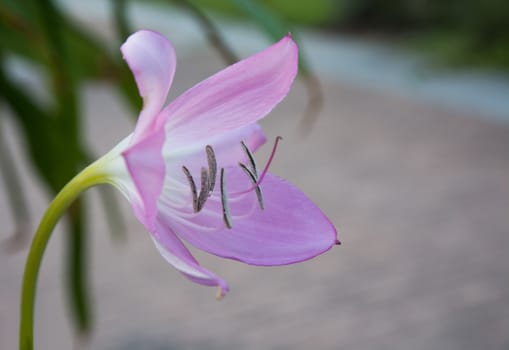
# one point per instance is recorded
(193, 187)
(264, 172)
(253, 179)
(211, 159)
(227, 218)
(251, 159)
(208, 180)
(204, 190)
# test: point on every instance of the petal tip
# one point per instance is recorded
(222, 290)
(152, 60)
(289, 38)
(145, 34)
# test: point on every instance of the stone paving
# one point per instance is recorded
(419, 194)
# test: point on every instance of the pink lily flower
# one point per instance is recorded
(234, 211)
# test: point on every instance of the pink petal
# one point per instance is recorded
(145, 163)
(151, 58)
(233, 98)
(174, 252)
(228, 150)
(290, 228)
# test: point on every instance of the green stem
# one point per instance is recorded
(89, 177)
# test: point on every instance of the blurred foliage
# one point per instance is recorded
(316, 12)
(460, 31)
(456, 31)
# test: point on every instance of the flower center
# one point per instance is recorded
(208, 181)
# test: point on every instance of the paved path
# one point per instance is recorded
(420, 196)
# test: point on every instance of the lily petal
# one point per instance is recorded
(235, 97)
(174, 252)
(228, 149)
(290, 228)
(152, 60)
(145, 163)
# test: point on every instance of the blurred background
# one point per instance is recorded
(398, 128)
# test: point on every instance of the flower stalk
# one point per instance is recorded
(89, 177)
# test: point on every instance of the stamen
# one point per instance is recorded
(253, 179)
(211, 158)
(193, 187)
(260, 179)
(272, 154)
(204, 190)
(227, 218)
(208, 180)
(251, 159)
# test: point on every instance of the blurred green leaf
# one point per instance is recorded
(213, 34)
(77, 269)
(316, 12)
(16, 197)
(120, 19)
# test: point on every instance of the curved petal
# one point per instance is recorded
(235, 97)
(174, 252)
(145, 163)
(114, 164)
(151, 58)
(290, 228)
